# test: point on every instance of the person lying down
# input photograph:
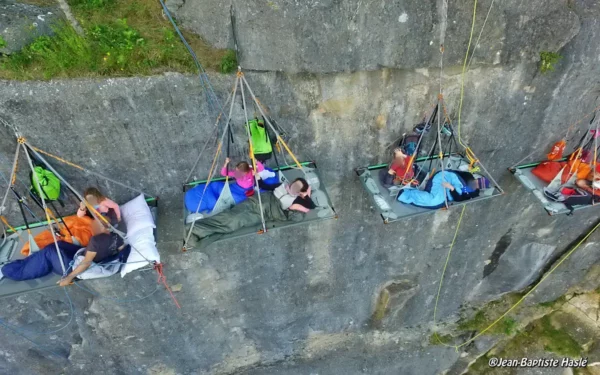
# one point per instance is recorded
(285, 202)
(102, 246)
(453, 185)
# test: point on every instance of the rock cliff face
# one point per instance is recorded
(348, 296)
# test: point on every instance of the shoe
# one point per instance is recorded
(193, 217)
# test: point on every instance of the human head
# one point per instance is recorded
(299, 187)
(243, 167)
(398, 154)
(472, 184)
(99, 226)
(93, 196)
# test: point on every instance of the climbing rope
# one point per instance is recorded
(62, 160)
(39, 188)
(268, 121)
(252, 157)
(211, 97)
(514, 306)
(213, 166)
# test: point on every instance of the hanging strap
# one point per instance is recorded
(278, 136)
(38, 151)
(212, 168)
(251, 144)
(36, 181)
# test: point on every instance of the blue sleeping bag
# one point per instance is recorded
(213, 191)
(433, 195)
(41, 263)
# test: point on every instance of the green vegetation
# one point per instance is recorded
(122, 38)
(229, 62)
(547, 61)
(506, 326)
(539, 335)
(489, 314)
(445, 339)
(380, 308)
(2, 42)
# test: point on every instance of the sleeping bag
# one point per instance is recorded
(245, 214)
(41, 263)
(213, 191)
(433, 195)
(81, 227)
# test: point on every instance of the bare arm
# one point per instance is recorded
(84, 265)
(298, 207)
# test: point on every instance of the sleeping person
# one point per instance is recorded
(451, 185)
(102, 246)
(286, 202)
(201, 199)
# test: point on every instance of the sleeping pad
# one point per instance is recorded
(245, 214)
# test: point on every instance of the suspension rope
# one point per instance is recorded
(211, 97)
(213, 166)
(93, 211)
(251, 145)
(39, 188)
(441, 94)
(277, 134)
(213, 135)
(62, 160)
(13, 172)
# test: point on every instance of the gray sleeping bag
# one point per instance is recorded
(244, 214)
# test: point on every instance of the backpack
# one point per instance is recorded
(49, 183)
(260, 138)
(409, 143)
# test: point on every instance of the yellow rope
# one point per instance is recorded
(290, 152)
(10, 226)
(57, 158)
(437, 298)
(567, 255)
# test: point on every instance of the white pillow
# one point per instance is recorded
(143, 248)
(136, 215)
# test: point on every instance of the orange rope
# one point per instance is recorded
(10, 226)
(58, 158)
(158, 267)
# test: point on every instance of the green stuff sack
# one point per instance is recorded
(49, 183)
(260, 140)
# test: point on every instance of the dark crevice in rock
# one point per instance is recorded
(501, 247)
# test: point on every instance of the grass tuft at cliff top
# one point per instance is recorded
(122, 38)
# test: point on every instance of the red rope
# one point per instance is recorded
(158, 267)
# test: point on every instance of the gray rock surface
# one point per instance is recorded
(518, 267)
(20, 24)
(298, 301)
(351, 35)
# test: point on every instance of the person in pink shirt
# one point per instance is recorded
(102, 204)
(243, 173)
